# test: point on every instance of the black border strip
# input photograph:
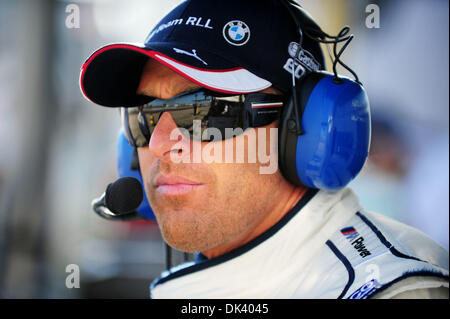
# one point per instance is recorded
(310, 193)
(347, 264)
(383, 239)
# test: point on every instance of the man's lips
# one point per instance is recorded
(174, 185)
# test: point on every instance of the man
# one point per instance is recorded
(260, 235)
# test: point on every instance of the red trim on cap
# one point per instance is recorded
(152, 54)
(82, 72)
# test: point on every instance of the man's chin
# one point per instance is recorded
(183, 230)
(183, 243)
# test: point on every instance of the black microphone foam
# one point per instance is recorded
(124, 195)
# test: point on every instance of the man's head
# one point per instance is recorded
(257, 49)
(203, 206)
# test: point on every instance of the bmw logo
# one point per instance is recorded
(236, 32)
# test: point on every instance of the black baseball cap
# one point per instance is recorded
(229, 46)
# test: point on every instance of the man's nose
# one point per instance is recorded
(167, 137)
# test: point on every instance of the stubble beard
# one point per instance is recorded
(214, 215)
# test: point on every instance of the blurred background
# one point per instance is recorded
(57, 150)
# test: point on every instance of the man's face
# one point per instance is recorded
(204, 206)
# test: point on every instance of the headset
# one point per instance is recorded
(324, 131)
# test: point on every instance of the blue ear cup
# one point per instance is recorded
(128, 166)
(336, 133)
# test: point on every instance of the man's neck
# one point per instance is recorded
(282, 207)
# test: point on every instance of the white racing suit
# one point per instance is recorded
(327, 246)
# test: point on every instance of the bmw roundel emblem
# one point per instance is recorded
(236, 32)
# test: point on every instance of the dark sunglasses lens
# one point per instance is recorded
(143, 126)
(202, 117)
(138, 126)
(184, 118)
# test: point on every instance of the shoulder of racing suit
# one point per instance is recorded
(327, 246)
(385, 258)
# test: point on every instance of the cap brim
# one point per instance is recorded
(111, 75)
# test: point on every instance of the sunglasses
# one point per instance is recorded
(200, 111)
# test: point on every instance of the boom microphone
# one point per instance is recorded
(120, 200)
